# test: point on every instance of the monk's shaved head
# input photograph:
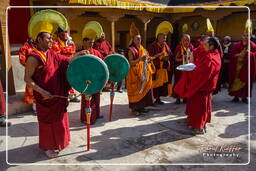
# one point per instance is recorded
(185, 40)
(185, 36)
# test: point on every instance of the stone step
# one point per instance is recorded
(16, 105)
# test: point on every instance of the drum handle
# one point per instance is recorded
(88, 82)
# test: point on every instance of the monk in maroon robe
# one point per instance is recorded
(238, 69)
(198, 86)
(103, 46)
(95, 100)
(161, 52)
(46, 73)
(179, 56)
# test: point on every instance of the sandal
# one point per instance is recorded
(51, 154)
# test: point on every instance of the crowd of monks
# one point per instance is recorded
(152, 75)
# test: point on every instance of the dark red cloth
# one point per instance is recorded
(199, 108)
(135, 51)
(197, 86)
(95, 108)
(95, 100)
(154, 49)
(103, 47)
(52, 113)
(198, 53)
(243, 74)
(2, 100)
(178, 73)
(147, 100)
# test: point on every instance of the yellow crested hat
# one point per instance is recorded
(248, 26)
(209, 26)
(46, 21)
(164, 28)
(92, 30)
(134, 30)
(184, 28)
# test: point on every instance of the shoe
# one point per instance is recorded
(198, 131)
(245, 100)
(235, 100)
(137, 113)
(177, 101)
(75, 100)
(205, 129)
(120, 91)
(143, 111)
(100, 117)
(51, 154)
(184, 100)
(158, 101)
(3, 122)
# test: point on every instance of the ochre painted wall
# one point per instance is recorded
(232, 25)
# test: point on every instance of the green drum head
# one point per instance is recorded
(118, 67)
(88, 68)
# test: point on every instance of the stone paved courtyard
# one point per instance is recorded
(160, 137)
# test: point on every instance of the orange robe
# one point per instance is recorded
(139, 94)
(23, 52)
(162, 76)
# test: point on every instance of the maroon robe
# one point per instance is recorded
(95, 100)
(103, 47)
(154, 49)
(2, 100)
(52, 113)
(197, 86)
(243, 74)
(178, 73)
(198, 53)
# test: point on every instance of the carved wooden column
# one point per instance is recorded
(6, 54)
(112, 18)
(145, 20)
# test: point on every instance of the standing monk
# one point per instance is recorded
(64, 45)
(198, 86)
(103, 46)
(139, 78)
(88, 41)
(226, 48)
(181, 56)
(45, 72)
(238, 69)
(160, 51)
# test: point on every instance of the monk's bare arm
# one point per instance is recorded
(130, 57)
(31, 66)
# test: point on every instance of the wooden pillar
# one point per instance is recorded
(145, 20)
(112, 18)
(5, 55)
(113, 35)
